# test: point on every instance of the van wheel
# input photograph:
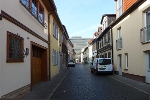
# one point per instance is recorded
(112, 73)
(95, 72)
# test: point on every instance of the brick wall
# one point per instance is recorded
(127, 4)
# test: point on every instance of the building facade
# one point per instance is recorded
(104, 41)
(79, 43)
(24, 59)
(70, 50)
(131, 39)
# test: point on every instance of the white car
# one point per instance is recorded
(71, 63)
(102, 65)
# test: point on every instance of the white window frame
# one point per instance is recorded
(119, 8)
(55, 57)
(119, 33)
(146, 24)
(55, 30)
(127, 60)
(119, 43)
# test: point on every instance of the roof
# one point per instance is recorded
(65, 32)
(89, 41)
(109, 15)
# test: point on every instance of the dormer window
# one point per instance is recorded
(104, 24)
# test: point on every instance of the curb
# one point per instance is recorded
(52, 93)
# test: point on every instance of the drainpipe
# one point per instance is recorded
(49, 45)
(112, 44)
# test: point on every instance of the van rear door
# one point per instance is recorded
(105, 64)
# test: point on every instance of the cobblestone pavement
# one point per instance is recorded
(81, 84)
(45, 90)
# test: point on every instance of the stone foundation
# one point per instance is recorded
(18, 93)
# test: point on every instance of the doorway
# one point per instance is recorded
(120, 64)
(38, 64)
(148, 67)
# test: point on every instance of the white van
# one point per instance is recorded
(102, 65)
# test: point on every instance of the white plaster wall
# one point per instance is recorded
(16, 75)
(24, 16)
(0, 6)
(90, 52)
(130, 30)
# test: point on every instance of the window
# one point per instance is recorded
(25, 3)
(109, 54)
(100, 44)
(55, 57)
(126, 57)
(119, 8)
(41, 14)
(109, 37)
(148, 25)
(55, 30)
(119, 41)
(105, 55)
(35, 8)
(14, 48)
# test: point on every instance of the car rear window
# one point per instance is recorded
(71, 61)
(104, 61)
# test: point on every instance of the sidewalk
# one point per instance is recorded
(140, 86)
(143, 87)
(45, 90)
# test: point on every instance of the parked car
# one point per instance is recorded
(102, 65)
(71, 63)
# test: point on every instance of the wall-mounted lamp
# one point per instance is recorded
(26, 52)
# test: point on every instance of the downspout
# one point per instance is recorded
(49, 45)
(112, 44)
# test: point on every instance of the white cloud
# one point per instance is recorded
(93, 28)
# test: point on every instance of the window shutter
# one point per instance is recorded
(142, 36)
(116, 44)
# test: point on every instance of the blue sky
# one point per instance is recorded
(82, 17)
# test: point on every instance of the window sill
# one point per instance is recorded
(126, 69)
(146, 42)
(14, 61)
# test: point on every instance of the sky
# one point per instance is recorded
(82, 17)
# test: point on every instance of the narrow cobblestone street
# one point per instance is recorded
(81, 84)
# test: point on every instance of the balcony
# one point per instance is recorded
(145, 34)
(119, 44)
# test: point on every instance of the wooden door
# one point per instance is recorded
(36, 65)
